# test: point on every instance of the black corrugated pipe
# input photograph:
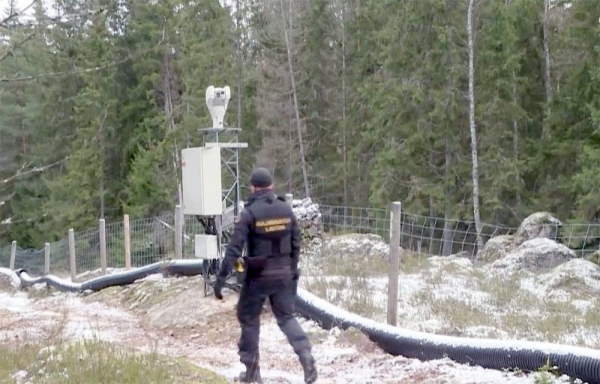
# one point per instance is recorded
(576, 362)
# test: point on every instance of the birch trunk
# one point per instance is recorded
(344, 127)
(239, 64)
(473, 128)
(547, 79)
(516, 154)
(448, 235)
(167, 87)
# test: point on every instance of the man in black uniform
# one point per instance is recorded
(269, 227)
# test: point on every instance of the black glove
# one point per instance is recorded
(295, 278)
(218, 287)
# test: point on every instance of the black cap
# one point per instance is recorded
(261, 178)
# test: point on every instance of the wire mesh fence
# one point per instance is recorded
(419, 234)
(153, 239)
(433, 236)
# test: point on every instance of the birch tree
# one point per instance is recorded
(472, 126)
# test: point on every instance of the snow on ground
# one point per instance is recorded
(451, 296)
(174, 317)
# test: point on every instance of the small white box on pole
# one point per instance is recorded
(205, 247)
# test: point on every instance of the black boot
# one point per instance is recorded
(252, 375)
(308, 365)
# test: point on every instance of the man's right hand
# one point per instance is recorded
(295, 278)
(218, 287)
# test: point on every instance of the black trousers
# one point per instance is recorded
(251, 300)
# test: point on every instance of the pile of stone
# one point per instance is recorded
(309, 217)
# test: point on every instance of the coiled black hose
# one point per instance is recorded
(576, 362)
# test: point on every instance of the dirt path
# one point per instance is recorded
(173, 316)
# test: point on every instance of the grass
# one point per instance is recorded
(52, 360)
(353, 294)
(95, 362)
(479, 304)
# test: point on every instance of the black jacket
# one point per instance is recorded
(269, 228)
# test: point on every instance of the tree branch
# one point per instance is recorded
(17, 45)
(6, 199)
(20, 173)
(16, 78)
(15, 14)
(52, 74)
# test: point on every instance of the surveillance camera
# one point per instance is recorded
(217, 100)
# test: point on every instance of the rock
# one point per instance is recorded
(451, 264)
(309, 217)
(534, 255)
(537, 225)
(9, 281)
(355, 245)
(594, 257)
(575, 275)
(496, 248)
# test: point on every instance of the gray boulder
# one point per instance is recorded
(496, 248)
(535, 255)
(537, 225)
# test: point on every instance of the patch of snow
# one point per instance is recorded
(444, 261)
(369, 244)
(19, 376)
(18, 302)
(153, 277)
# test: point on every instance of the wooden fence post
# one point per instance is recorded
(13, 255)
(289, 198)
(47, 259)
(392, 307)
(103, 246)
(127, 241)
(72, 254)
(178, 232)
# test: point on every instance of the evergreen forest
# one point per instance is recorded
(475, 110)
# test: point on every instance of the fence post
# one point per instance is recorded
(392, 307)
(13, 254)
(47, 259)
(127, 241)
(178, 232)
(289, 198)
(103, 246)
(72, 255)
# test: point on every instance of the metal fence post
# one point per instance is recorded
(127, 239)
(103, 246)
(392, 307)
(72, 254)
(178, 232)
(47, 259)
(13, 255)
